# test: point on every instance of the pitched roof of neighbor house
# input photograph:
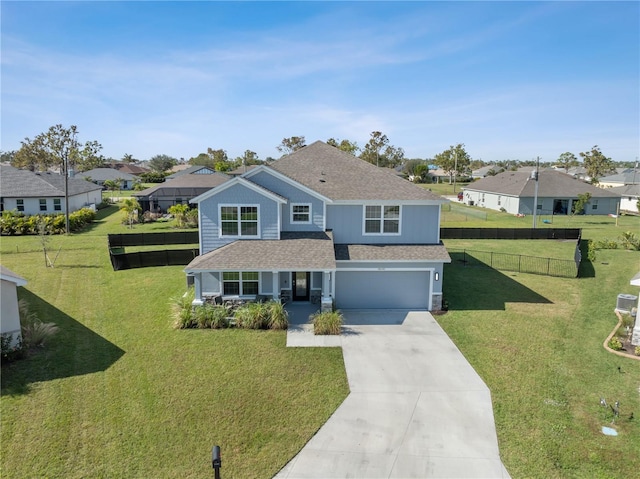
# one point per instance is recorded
(7, 275)
(16, 183)
(104, 174)
(626, 178)
(551, 183)
(627, 190)
(193, 170)
(185, 185)
(128, 168)
(338, 175)
(392, 252)
(304, 251)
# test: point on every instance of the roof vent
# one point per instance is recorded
(322, 181)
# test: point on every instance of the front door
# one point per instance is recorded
(300, 285)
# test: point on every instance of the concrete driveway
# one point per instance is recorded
(417, 409)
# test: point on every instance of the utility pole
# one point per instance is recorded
(535, 195)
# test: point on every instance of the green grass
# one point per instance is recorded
(119, 393)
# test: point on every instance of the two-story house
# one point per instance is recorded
(321, 225)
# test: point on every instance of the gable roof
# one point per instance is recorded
(104, 174)
(303, 251)
(7, 275)
(551, 183)
(625, 178)
(341, 176)
(128, 168)
(16, 183)
(193, 170)
(238, 180)
(627, 190)
(186, 185)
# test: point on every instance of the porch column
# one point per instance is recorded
(197, 285)
(275, 285)
(327, 292)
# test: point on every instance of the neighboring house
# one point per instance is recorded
(240, 170)
(44, 193)
(177, 191)
(514, 191)
(489, 170)
(578, 172)
(629, 197)
(628, 177)
(193, 170)
(438, 175)
(9, 311)
(100, 175)
(132, 169)
(321, 225)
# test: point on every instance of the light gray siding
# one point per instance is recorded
(316, 280)
(418, 225)
(211, 283)
(294, 195)
(266, 282)
(383, 289)
(236, 195)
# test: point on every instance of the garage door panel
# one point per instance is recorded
(382, 289)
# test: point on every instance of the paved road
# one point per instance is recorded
(417, 409)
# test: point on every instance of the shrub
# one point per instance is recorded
(630, 241)
(637, 351)
(10, 351)
(278, 317)
(252, 316)
(13, 222)
(34, 332)
(182, 309)
(615, 344)
(210, 316)
(328, 322)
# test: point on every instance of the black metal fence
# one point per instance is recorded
(565, 268)
(141, 259)
(510, 233)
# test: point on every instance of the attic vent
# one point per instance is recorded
(626, 302)
(322, 181)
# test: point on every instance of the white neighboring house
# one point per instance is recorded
(627, 177)
(43, 193)
(514, 191)
(9, 313)
(629, 197)
(100, 175)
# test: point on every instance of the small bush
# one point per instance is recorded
(210, 316)
(182, 309)
(329, 322)
(637, 351)
(615, 344)
(10, 351)
(278, 317)
(36, 333)
(252, 316)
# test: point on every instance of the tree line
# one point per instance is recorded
(59, 148)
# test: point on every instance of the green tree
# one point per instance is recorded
(420, 173)
(111, 185)
(567, 160)
(344, 145)
(179, 212)
(372, 152)
(7, 156)
(289, 145)
(127, 158)
(596, 164)
(579, 205)
(162, 163)
(202, 160)
(454, 161)
(131, 209)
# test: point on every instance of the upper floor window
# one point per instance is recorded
(57, 205)
(239, 221)
(43, 204)
(382, 219)
(300, 213)
(20, 205)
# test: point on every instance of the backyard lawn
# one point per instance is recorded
(119, 393)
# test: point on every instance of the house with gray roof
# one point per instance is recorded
(179, 190)
(321, 226)
(100, 175)
(44, 192)
(629, 197)
(628, 177)
(9, 310)
(193, 170)
(515, 191)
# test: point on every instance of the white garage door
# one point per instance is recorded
(382, 289)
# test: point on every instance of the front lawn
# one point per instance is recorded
(119, 393)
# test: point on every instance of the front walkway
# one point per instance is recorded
(417, 409)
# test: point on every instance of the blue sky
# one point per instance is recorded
(510, 80)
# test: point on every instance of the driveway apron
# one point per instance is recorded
(417, 409)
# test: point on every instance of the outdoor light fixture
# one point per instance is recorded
(437, 276)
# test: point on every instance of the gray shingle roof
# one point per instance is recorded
(305, 251)
(185, 185)
(15, 183)
(389, 252)
(103, 174)
(550, 184)
(341, 176)
(192, 171)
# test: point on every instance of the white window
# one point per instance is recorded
(56, 204)
(241, 221)
(300, 213)
(381, 219)
(239, 284)
(20, 205)
(43, 204)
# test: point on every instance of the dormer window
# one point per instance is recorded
(300, 213)
(381, 219)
